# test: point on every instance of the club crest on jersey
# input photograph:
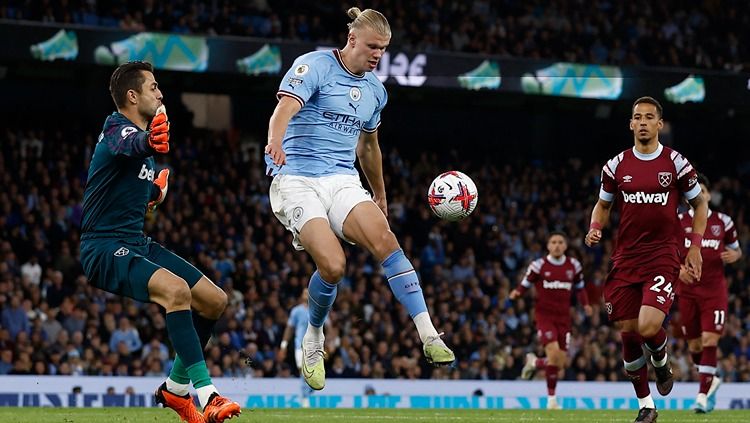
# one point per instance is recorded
(301, 70)
(569, 274)
(716, 230)
(665, 178)
(355, 94)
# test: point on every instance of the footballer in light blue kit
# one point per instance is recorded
(327, 115)
(296, 326)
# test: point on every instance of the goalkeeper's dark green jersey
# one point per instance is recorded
(120, 181)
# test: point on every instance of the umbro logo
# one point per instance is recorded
(627, 178)
(122, 252)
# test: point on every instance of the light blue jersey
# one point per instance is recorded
(321, 138)
(298, 319)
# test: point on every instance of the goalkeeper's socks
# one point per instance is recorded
(404, 282)
(321, 296)
(187, 346)
(178, 376)
(657, 344)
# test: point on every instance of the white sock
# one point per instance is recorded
(180, 389)
(646, 402)
(424, 326)
(551, 398)
(701, 399)
(661, 362)
(314, 334)
(204, 393)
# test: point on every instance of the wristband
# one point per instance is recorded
(695, 239)
(595, 225)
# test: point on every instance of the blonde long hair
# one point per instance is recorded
(368, 18)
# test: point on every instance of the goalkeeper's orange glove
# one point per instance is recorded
(162, 183)
(158, 137)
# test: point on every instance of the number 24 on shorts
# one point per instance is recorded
(657, 286)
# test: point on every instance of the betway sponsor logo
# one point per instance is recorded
(146, 173)
(557, 285)
(641, 197)
(706, 243)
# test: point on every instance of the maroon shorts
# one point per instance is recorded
(704, 314)
(629, 287)
(550, 331)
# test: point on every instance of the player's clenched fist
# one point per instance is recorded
(593, 237)
(158, 137)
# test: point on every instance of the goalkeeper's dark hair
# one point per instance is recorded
(126, 77)
(703, 179)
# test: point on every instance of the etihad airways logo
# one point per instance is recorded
(641, 197)
(557, 285)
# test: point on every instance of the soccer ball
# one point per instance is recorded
(452, 196)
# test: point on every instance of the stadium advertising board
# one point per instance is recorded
(254, 58)
(56, 391)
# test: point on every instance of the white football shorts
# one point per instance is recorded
(297, 199)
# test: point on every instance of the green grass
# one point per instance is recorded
(119, 415)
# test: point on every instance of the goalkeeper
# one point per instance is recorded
(117, 257)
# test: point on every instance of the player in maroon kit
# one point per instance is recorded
(703, 305)
(647, 182)
(555, 277)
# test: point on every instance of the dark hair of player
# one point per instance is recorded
(649, 100)
(126, 77)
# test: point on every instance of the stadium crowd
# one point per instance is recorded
(702, 34)
(217, 216)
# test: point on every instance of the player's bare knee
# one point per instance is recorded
(333, 268)
(385, 245)
(217, 303)
(648, 329)
(709, 339)
(178, 295)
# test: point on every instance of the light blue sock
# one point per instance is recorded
(404, 282)
(321, 295)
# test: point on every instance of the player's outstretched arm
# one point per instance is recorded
(599, 219)
(286, 108)
(694, 261)
(371, 160)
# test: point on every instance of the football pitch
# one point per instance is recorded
(116, 415)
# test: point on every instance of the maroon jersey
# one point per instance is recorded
(647, 188)
(555, 280)
(720, 233)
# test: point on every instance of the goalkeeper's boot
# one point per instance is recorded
(183, 405)
(436, 352)
(220, 408)
(313, 364)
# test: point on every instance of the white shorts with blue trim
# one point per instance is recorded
(297, 199)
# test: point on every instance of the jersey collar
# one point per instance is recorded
(337, 54)
(651, 156)
(556, 262)
(691, 212)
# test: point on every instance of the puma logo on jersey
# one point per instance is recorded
(641, 197)
(557, 285)
(146, 173)
(706, 243)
